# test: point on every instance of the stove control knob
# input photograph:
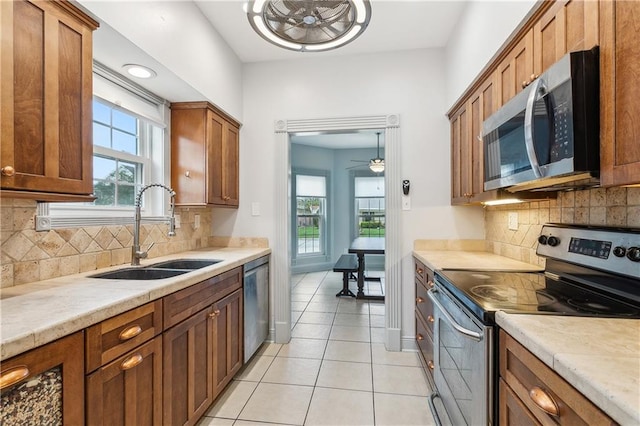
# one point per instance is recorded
(553, 241)
(542, 239)
(633, 253)
(619, 251)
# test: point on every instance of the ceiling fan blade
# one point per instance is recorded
(356, 167)
(360, 161)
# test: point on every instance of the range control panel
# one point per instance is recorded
(611, 249)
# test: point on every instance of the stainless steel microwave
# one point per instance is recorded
(547, 136)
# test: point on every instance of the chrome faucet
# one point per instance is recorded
(136, 253)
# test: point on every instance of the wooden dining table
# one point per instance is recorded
(362, 246)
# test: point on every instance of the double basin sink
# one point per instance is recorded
(157, 271)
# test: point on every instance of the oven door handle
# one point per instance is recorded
(460, 329)
(432, 408)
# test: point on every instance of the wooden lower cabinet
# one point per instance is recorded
(531, 393)
(201, 355)
(424, 317)
(44, 385)
(128, 391)
(228, 340)
(188, 367)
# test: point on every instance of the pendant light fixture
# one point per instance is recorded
(309, 25)
(376, 165)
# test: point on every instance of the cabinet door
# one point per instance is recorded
(128, 391)
(511, 409)
(45, 385)
(515, 71)
(223, 167)
(188, 368)
(569, 25)
(228, 340)
(189, 155)
(460, 172)
(46, 100)
(619, 93)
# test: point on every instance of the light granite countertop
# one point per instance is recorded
(41, 312)
(473, 260)
(600, 357)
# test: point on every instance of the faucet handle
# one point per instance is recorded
(144, 254)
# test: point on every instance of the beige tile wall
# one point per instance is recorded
(29, 256)
(600, 206)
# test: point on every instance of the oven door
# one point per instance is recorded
(463, 358)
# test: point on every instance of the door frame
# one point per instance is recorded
(281, 253)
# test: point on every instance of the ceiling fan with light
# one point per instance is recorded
(376, 165)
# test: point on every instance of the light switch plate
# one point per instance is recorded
(513, 221)
(406, 202)
(255, 208)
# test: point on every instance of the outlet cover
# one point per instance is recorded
(255, 208)
(406, 202)
(513, 221)
(177, 220)
(196, 221)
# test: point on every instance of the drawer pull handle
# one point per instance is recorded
(431, 365)
(214, 313)
(544, 401)
(13, 375)
(8, 171)
(430, 318)
(419, 337)
(430, 284)
(419, 299)
(130, 332)
(419, 271)
(131, 362)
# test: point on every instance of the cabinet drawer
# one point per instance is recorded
(512, 410)
(420, 271)
(111, 338)
(424, 339)
(424, 305)
(184, 303)
(526, 375)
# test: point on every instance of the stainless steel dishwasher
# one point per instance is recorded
(256, 305)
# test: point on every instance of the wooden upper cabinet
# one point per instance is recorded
(569, 25)
(204, 155)
(46, 66)
(467, 150)
(619, 93)
(516, 70)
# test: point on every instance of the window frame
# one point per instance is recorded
(156, 162)
(355, 231)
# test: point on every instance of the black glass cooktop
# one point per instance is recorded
(533, 293)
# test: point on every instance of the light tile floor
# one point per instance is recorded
(334, 371)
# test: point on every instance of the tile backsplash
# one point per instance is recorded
(599, 206)
(28, 255)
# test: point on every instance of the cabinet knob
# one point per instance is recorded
(431, 365)
(214, 313)
(13, 375)
(419, 300)
(544, 401)
(226, 198)
(524, 84)
(8, 171)
(419, 337)
(131, 362)
(130, 332)
(430, 284)
(430, 318)
(420, 271)
(187, 174)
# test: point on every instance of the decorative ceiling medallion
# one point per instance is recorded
(309, 25)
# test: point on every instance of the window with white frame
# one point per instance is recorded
(129, 151)
(369, 206)
(311, 212)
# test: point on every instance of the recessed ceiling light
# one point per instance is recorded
(139, 71)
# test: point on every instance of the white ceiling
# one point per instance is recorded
(394, 25)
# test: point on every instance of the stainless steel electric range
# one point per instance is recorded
(589, 271)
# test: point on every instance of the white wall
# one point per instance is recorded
(178, 35)
(410, 83)
(482, 28)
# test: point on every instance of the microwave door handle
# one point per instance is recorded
(460, 329)
(537, 88)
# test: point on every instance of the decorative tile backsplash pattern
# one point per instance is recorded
(29, 256)
(599, 206)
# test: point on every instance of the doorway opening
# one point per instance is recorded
(284, 243)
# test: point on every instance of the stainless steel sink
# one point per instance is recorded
(185, 264)
(141, 274)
